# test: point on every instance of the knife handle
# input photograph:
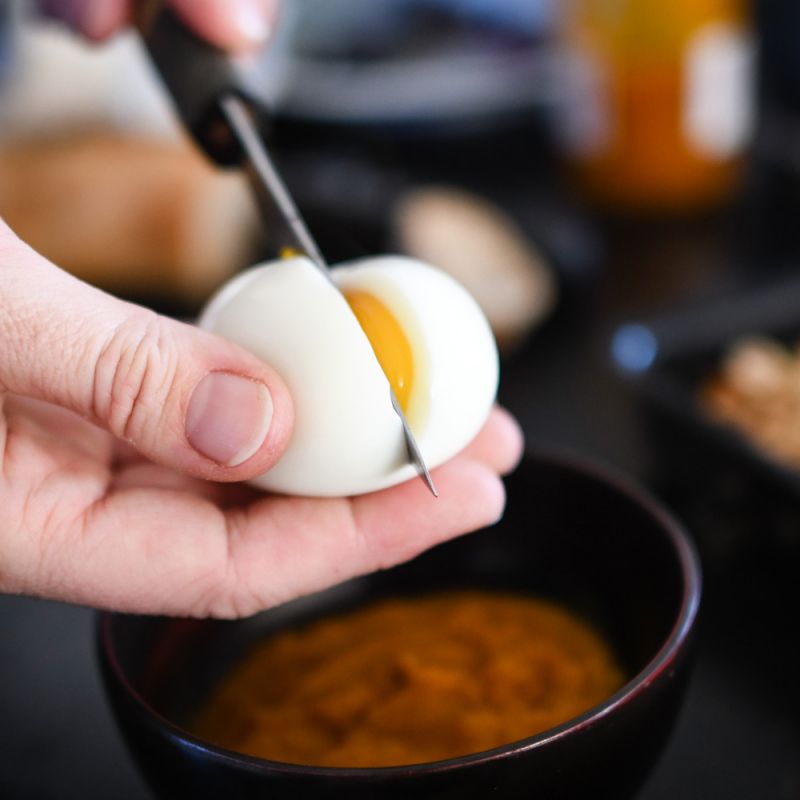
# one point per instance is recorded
(197, 76)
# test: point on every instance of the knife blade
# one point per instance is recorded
(206, 85)
(235, 111)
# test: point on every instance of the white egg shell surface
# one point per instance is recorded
(347, 438)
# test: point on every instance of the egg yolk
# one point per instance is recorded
(388, 341)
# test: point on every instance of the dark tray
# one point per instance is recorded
(736, 498)
(743, 509)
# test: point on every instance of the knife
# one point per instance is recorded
(207, 86)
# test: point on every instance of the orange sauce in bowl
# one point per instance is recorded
(411, 680)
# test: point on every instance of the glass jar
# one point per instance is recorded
(658, 104)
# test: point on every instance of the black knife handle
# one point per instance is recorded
(197, 75)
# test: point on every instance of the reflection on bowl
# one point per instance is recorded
(571, 533)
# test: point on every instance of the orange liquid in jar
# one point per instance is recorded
(669, 92)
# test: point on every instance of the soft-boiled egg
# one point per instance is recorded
(339, 341)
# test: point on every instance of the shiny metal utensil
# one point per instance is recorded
(240, 119)
(269, 182)
(207, 87)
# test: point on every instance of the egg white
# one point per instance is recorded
(347, 439)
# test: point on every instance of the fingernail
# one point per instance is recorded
(228, 417)
(250, 20)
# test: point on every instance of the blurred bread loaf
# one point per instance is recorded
(128, 213)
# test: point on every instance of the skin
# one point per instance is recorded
(104, 500)
(234, 25)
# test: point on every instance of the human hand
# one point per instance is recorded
(231, 24)
(117, 427)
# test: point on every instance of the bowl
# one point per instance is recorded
(573, 532)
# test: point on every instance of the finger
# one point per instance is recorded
(41, 419)
(123, 454)
(181, 396)
(237, 25)
(312, 544)
(146, 475)
(162, 551)
(499, 444)
(95, 19)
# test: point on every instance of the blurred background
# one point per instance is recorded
(617, 182)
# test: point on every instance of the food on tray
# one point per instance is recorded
(412, 680)
(757, 391)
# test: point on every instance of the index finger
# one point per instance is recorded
(167, 551)
(234, 25)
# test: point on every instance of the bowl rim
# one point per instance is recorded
(608, 476)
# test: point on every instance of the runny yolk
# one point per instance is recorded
(388, 341)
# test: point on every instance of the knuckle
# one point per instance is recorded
(230, 595)
(135, 376)
(238, 588)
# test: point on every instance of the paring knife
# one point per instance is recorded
(206, 86)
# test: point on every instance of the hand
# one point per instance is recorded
(231, 24)
(116, 427)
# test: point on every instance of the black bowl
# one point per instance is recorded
(573, 533)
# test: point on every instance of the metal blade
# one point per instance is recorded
(238, 116)
(414, 454)
(272, 186)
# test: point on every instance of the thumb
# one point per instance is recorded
(181, 396)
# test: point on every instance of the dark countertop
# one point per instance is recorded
(738, 735)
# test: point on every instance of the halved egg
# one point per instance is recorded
(340, 340)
